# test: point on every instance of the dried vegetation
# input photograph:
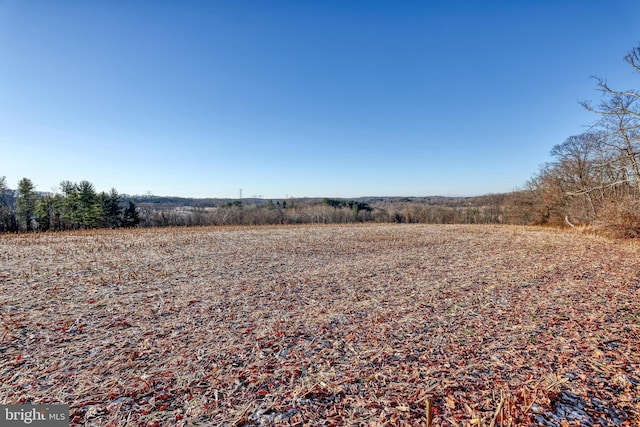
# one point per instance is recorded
(323, 325)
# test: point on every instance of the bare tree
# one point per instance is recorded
(579, 163)
(619, 114)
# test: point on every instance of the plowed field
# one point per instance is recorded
(323, 325)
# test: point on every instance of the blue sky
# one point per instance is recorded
(301, 98)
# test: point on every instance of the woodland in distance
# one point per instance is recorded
(593, 180)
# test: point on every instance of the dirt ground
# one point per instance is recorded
(323, 325)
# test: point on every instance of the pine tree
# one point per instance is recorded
(44, 213)
(89, 205)
(111, 210)
(70, 207)
(7, 215)
(26, 203)
(130, 216)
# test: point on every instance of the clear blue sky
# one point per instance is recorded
(301, 98)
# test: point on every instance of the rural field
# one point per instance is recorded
(323, 325)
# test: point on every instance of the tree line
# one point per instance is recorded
(489, 209)
(76, 206)
(79, 206)
(594, 177)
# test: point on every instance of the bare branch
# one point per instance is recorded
(566, 219)
(633, 58)
(600, 187)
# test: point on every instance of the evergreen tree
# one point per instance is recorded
(130, 216)
(89, 205)
(70, 207)
(7, 215)
(44, 213)
(111, 210)
(57, 217)
(26, 203)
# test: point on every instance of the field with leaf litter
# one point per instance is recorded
(323, 325)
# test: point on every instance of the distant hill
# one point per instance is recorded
(170, 202)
